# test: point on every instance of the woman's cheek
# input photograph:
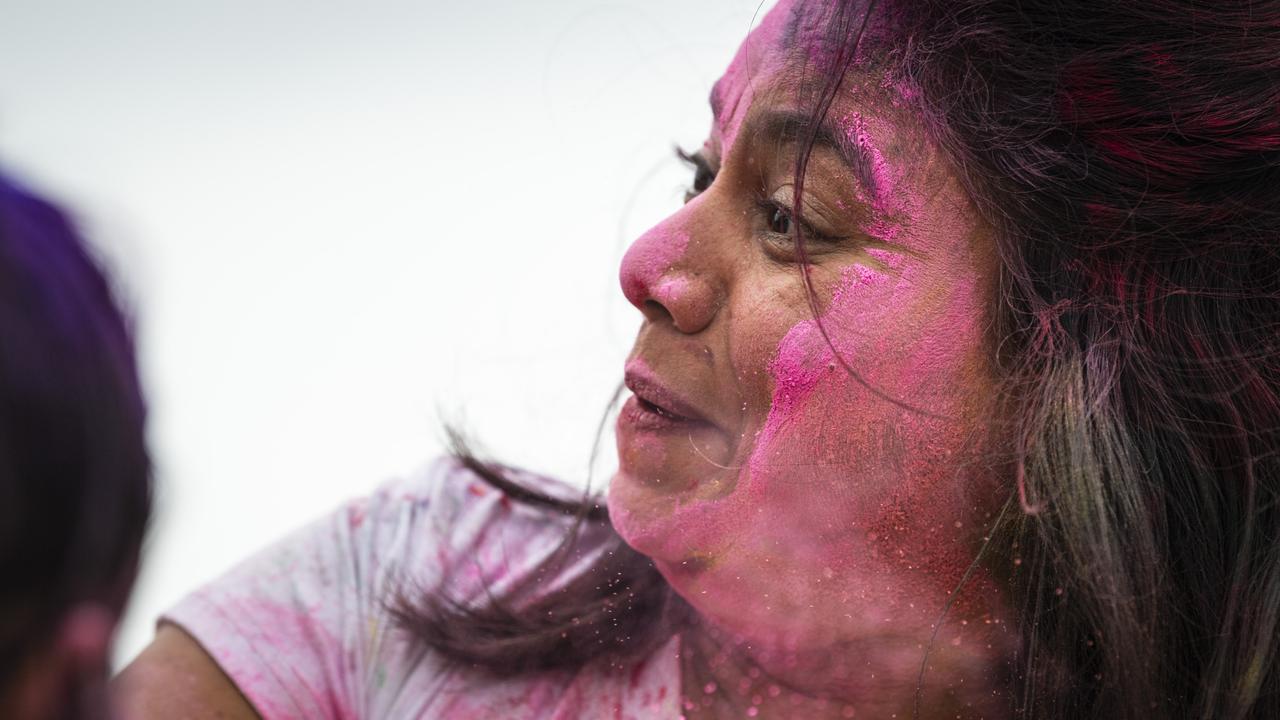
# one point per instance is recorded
(807, 379)
(835, 458)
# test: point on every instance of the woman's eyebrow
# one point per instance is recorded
(783, 127)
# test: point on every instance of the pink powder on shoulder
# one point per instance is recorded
(282, 636)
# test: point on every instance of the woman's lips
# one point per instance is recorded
(665, 442)
(643, 415)
(653, 406)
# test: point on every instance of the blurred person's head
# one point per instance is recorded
(74, 469)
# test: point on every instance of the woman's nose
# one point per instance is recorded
(660, 277)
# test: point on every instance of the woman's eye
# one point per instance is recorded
(778, 224)
(703, 174)
(780, 220)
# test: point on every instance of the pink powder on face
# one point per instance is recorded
(889, 191)
(841, 487)
(887, 258)
(755, 60)
(803, 358)
(670, 290)
(851, 486)
(649, 260)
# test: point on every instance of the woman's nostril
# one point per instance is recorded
(654, 310)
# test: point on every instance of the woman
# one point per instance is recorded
(955, 396)
(75, 488)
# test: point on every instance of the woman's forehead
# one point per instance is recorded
(782, 59)
(760, 57)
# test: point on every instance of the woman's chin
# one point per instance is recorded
(642, 511)
(670, 518)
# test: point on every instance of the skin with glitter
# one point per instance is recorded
(817, 519)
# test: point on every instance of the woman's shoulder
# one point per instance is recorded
(449, 504)
(419, 529)
(487, 538)
(443, 526)
(308, 626)
(453, 484)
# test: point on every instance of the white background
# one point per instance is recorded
(339, 223)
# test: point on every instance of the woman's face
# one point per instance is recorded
(792, 503)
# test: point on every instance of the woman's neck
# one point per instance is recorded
(724, 677)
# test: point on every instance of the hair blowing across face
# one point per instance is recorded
(74, 471)
(1128, 156)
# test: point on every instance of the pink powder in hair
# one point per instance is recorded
(901, 91)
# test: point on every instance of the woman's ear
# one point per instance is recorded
(66, 676)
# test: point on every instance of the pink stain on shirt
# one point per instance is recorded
(303, 628)
(285, 639)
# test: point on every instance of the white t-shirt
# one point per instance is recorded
(304, 627)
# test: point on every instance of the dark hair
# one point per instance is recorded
(620, 608)
(1127, 155)
(75, 488)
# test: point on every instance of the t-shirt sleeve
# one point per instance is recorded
(300, 626)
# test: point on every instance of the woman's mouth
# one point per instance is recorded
(667, 442)
(653, 406)
(644, 415)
